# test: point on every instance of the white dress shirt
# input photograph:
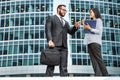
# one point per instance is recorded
(60, 19)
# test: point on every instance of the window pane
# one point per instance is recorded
(9, 63)
(21, 35)
(10, 49)
(16, 49)
(30, 61)
(4, 63)
(25, 62)
(19, 62)
(73, 61)
(21, 48)
(73, 48)
(35, 61)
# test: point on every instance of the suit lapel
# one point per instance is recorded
(58, 20)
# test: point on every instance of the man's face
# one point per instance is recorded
(62, 11)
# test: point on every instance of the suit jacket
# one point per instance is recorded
(56, 32)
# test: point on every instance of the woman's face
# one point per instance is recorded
(92, 14)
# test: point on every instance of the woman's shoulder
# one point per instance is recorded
(99, 19)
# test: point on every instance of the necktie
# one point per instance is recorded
(62, 21)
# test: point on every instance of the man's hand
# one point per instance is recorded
(51, 44)
(77, 24)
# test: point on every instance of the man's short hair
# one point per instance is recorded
(59, 6)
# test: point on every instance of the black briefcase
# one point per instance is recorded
(50, 57)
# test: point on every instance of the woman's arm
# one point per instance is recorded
(99, 27)
(97, 30)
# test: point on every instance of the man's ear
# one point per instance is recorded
(58, 9)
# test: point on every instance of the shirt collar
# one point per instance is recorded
(58, 16)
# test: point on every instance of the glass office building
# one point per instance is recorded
(22, 36)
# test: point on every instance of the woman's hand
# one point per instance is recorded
(86, 26)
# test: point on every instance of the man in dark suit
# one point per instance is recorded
(56, 29)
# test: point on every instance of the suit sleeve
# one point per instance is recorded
(71, 30)
(48, 26)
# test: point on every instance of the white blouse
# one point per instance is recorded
(97, 36)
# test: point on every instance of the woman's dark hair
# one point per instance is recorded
(96, 12)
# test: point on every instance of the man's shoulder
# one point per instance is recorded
(50, 16)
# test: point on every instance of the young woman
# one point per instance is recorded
(93, 41)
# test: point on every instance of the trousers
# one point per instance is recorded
(99, 67)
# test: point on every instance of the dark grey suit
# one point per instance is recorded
(56, 32)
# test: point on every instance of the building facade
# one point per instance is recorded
(22, 36)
